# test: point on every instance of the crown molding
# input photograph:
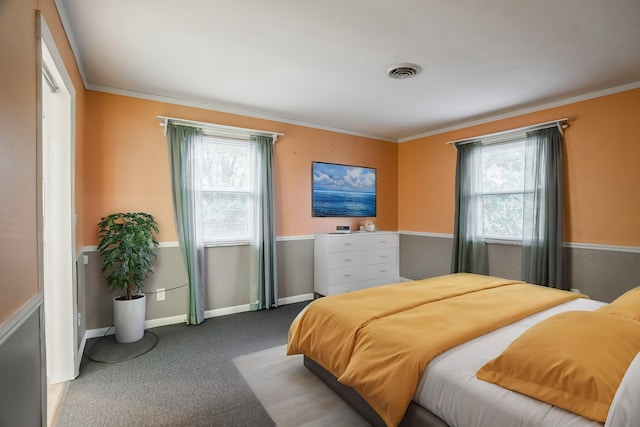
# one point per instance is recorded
(248, 113)
(230, 110)
(520, 112)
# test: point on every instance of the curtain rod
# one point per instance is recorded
(214, 126)
(561, 123)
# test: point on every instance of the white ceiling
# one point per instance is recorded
(324, 62)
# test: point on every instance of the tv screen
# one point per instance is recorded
(343, 190)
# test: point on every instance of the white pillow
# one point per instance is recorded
(625, 407)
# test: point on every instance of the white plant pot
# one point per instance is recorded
(128, 318)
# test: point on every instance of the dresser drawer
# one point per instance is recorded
(378, 256)
(346, 259)
(345, 243)
(382, 240)
(346, 275)
(382, 270)
(346, 287)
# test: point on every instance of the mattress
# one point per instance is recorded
(450, 390)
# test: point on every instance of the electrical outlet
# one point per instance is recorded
(160, 294)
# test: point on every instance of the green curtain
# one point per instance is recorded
(187, 210)
(469, 249)
(542, 248)
(264, 275)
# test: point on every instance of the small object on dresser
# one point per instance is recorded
(369, 225)
(343, 229)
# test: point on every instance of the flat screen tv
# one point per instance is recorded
(343, 190)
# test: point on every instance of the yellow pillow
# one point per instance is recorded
(574, 360)
(626, 305)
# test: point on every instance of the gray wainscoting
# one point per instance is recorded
(601, 272)
(168, 273)
(23, 379)
(422, 257)
(227, 272)
(295, 267)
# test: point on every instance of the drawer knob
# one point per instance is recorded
(383, 256)
(347, 259)
(383, 271)
(347, 275)
(347, 244)
(383, 241)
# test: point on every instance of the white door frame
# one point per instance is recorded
(56, 209)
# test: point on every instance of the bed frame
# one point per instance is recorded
(415, 416)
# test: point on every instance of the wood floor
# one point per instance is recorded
(55, 393)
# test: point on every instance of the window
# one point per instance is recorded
(503, 188)
(226, 189)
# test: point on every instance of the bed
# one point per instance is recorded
(352, 337)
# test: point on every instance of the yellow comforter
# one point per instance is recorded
(379, 340)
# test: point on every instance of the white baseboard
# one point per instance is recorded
(226, 310)
(173, 320)
(97, 333)
(165, 321)
(294, 299)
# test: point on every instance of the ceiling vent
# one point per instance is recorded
(404, 71)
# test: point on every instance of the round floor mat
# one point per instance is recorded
(108, 350)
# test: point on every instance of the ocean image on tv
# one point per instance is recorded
(340, 190)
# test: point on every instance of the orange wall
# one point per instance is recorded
(602, 171)
(19, 144)
(126, 165)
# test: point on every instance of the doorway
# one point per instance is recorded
(57, 218)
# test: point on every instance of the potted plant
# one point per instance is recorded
(126, 243)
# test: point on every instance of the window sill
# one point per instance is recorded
(503, 241)
(224, 244)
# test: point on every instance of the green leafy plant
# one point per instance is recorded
(126, 243)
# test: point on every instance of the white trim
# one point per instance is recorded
(61, 311)
(171, 244)
(503, 241)
(226, 310)
(62, 13)
(425, 234)
(512, 134)
(151, 323)
(226, 109)
(520, 112)
(97, 333)
(292, 238)
(572, 245)
(599, 247)
(165, 321)
(219, 130)
(230, 110)
(176, 244)
(295, 299)
(9, 326)
(182, 318)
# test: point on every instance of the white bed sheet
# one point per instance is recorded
(449, 387)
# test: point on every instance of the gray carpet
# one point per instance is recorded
(291, 394)
(108, 350)
(188, 379)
